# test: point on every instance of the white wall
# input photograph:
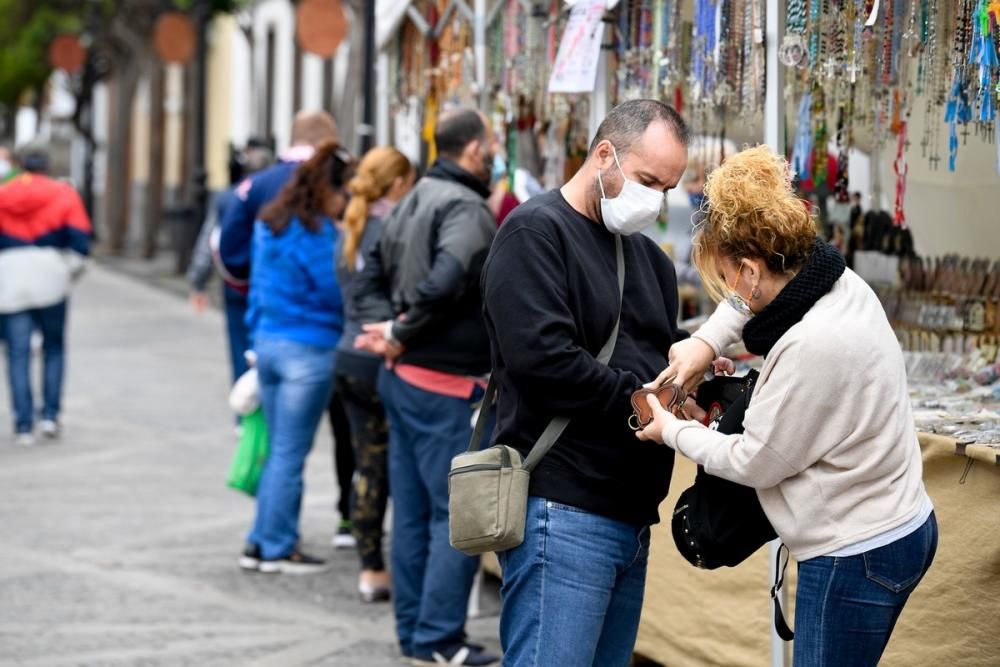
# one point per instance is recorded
(279, 15)
(948, 212)
(25, 125)
(242, 110)
(312, 81)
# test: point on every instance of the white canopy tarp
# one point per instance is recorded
(389, 14)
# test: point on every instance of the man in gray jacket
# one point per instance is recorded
(425, 271)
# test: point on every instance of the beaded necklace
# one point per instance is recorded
(793, 47)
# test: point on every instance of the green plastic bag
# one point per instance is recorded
(251, 454)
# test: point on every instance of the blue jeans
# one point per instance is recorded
(295, 385)
(235, 304)
(51, 322)
(431, 581)
(846, 608)
(572, 592)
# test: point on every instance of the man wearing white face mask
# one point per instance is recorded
(572, 592)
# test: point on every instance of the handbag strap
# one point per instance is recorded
(556, 427)
(780, 625)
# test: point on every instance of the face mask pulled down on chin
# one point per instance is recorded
(739, 304)
(635, 208)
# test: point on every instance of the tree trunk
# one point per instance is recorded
(119, 154)
(154, 190)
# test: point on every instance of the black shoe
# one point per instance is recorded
(457, 654)
(250, 560)
(294, 563)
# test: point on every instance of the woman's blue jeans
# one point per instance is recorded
(846, 608)
(295, 385)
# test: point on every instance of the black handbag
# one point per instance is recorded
(716, 522)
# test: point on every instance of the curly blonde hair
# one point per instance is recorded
(752, 213)
(377, 171)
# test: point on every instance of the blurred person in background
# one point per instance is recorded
(383, 177)
(44, 238)
(309, 130)
(255, 158)
(425, 271)
(296, 318)
(8, 169)
(501, 200)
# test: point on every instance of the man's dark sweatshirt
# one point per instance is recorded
(551, 296)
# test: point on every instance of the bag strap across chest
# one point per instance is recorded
(556, 427)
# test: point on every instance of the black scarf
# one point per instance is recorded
(823, 268)
(447, 170)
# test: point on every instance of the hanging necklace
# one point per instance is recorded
(815, 13)
(702, 50)
(793, 48)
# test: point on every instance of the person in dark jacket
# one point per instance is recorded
(298, 319)
(383, 177)
(572, 592)
(425, 273)
(203, 264)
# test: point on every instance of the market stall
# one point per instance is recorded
(914, 83)
(693, 617)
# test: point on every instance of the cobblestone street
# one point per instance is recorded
(119, 542)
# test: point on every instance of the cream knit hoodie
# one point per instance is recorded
(829, 440)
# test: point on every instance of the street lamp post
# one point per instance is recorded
(197, 191)
(367, 129)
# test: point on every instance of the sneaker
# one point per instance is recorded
(50, 428)
(294, 563)
(457, 654)
(343, 539)
(26, 439)
(371, 594)
(250, 560)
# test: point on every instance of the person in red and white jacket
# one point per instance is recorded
(44, 239)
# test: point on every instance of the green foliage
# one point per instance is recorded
(24, 43)
(27, 28)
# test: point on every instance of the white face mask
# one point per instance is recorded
(5, 169)
(635, 208)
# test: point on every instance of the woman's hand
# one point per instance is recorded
(723, 366)
(661, 417)
(689, 359)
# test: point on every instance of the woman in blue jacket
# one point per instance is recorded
(296, 318)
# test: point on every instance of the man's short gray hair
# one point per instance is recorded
(627, 122)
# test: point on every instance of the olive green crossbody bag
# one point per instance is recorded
(488, 489)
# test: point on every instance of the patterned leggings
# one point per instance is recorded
(370, 438)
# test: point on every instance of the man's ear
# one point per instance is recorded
(474, 149)
(603, 155)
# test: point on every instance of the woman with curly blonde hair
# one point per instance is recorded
(829, 441)
(383, 177)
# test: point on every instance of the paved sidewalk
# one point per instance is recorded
(119, 543)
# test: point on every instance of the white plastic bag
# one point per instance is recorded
(245, 395)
